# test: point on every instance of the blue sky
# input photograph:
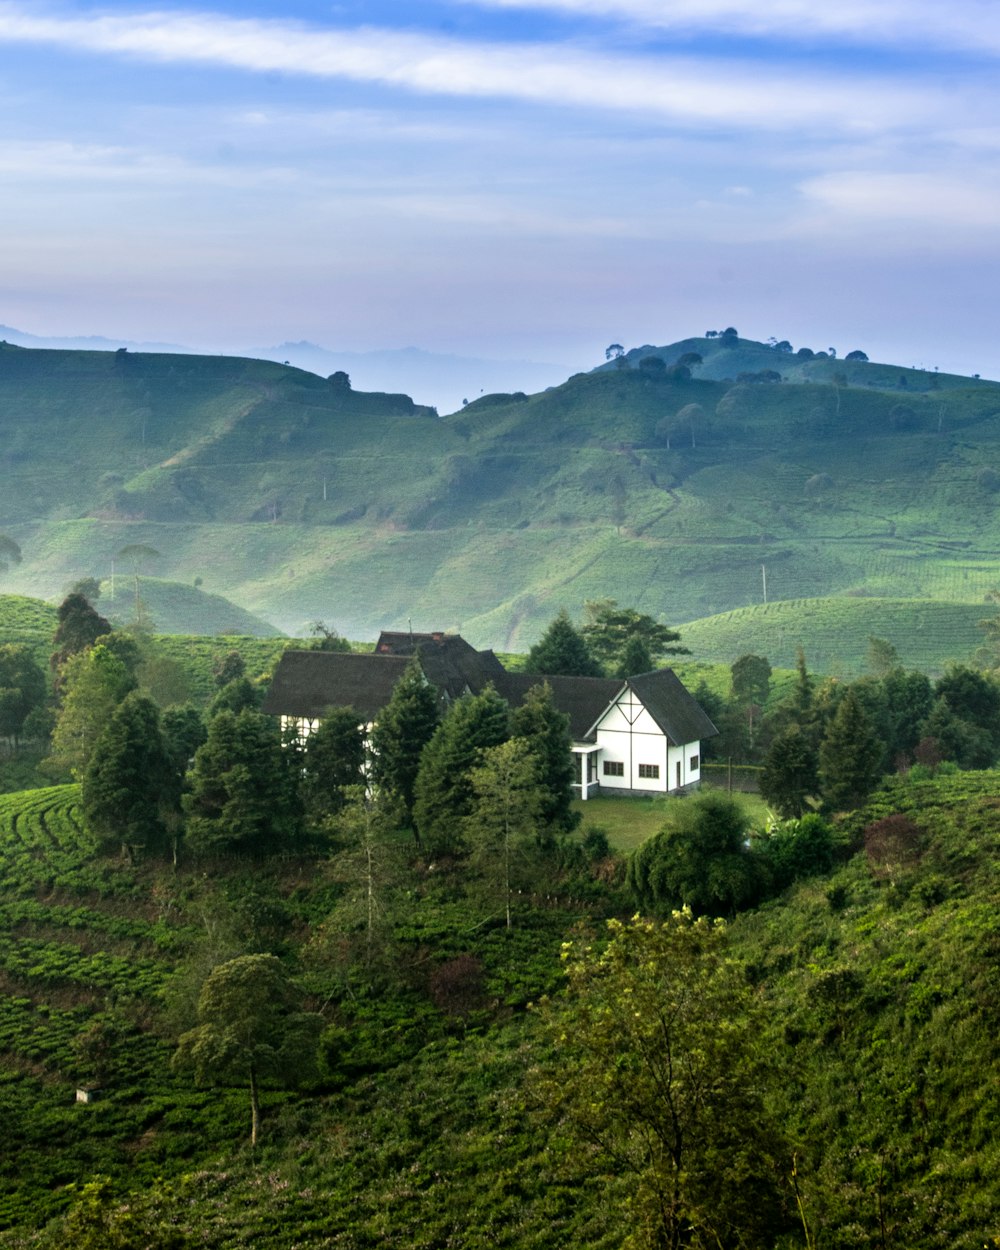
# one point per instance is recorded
(505, 178)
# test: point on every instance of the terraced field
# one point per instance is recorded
(834, 633)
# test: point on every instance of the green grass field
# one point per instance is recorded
(628, 822)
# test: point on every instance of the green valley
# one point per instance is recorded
(681, 490)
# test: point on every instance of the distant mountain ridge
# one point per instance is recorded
(442, 380)
(683, 491)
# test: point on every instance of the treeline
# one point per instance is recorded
(829, 743)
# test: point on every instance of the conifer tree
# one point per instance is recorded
(790, 775)
(130, 786)
(404, 727)
(243, 797)
(849, 756)
(22, 688)
(562, 652)
(546, 732)
(505, 813)
(333, 762)
(636, 658)
(443, 792)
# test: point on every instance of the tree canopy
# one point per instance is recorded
(662, 1071)
(562, 652)
(609, 629)
(250, 1028)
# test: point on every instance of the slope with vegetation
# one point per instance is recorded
(670, 486)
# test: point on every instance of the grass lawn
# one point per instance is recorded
(628, 822)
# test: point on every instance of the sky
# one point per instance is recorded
(510, 179)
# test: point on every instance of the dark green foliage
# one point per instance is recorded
(908, 698)
(850, 757)
(443, 791)
(332, 762)
(22, 688)
(184, 732)
(973, 697)
(636, 658)
(609, 629)
(791, 773)
(242, 794)
(966, 744)
(545, 730)
(404, 727)
(250, 1027)
(700, 859)
(797, 848)
(236, 695)
(131, 786)
(229, 667)
(751, 679)
(80, 625)
(562, 652)
(662, 1070)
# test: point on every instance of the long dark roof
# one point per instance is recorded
(309, 683)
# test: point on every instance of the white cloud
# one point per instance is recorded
(970, 24)
(729, 94)
(954, 203)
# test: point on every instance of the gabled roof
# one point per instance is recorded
(676, 712)
(583, 699)
(309, 683)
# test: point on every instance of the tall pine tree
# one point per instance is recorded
(562, 652)
(404, 727)
(443, 792)
(333, 762)
(545, 731)
(243, 796)
(130, 786)
(849, 757)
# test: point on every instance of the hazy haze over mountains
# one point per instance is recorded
(440, 380)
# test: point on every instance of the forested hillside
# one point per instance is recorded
(682, 488)
(432, 1119)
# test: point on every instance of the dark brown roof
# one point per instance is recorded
(582, 699)
(678, 714)
(403, 642)
(309, 683)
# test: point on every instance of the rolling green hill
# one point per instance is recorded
(302, 499)
(834, 633)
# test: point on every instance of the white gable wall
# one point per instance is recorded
(636, 755)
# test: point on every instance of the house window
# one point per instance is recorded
(614, 768)
(651, 771)
(694, 763)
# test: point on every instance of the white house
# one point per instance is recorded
(642, 735)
